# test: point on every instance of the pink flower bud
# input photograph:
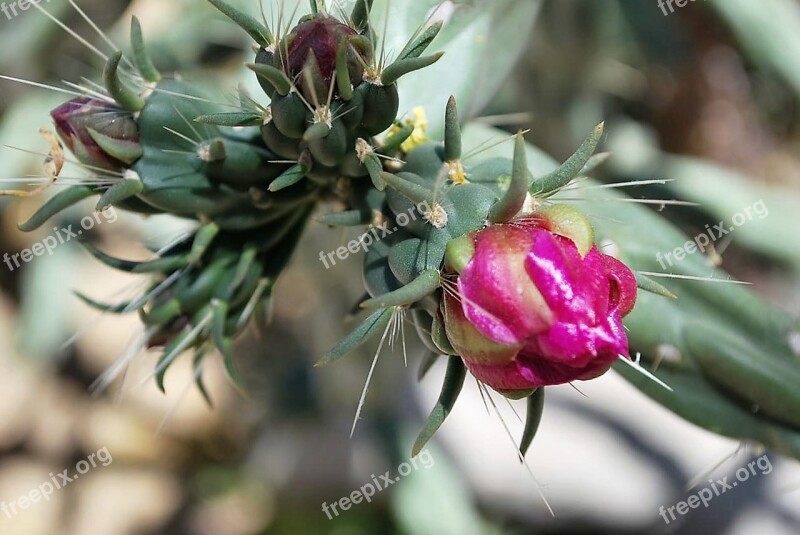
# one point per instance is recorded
(531, 311)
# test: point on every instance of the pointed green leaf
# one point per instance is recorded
(420, 42)
(124, 189)
(427, 363)
(427, 282)
(453, 382)
(232, 119)
(140, 55)
(125, 96)
(649, 285)
(274, 76)
(259, 32)
(349, 218)
(532, 419)
(567, 171)
(375, 322)
(512, 202)
(56, 204)
(401, 67)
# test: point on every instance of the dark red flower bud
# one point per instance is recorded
(98, 133)
(313, 46)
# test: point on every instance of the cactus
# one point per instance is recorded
(714, 354)
(171, 150)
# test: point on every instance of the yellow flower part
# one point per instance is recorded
(419, 136)
(456, 172)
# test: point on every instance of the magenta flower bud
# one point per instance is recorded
(98, 133)
(531, 310)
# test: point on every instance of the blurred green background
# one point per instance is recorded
(707, 96)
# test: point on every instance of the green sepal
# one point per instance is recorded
(140, 55)
(56, 204)
(122, 94)
(259, 32)
(439, 336)
(458, 253)
(451, 388)
(124, 189)
(427, 282)
(375, 322)
(401, 67)
(571, 168)
(123, 150)
(533, 418)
